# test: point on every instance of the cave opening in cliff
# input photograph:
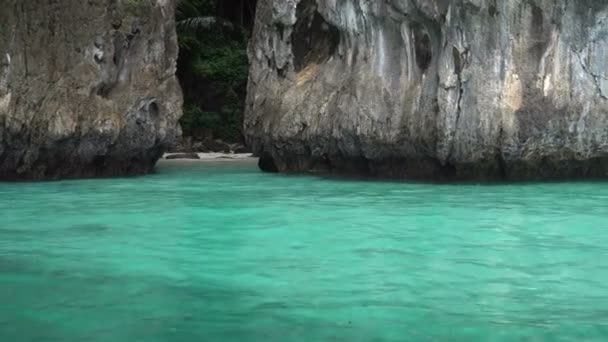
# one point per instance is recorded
(213, 68)
(314, 40)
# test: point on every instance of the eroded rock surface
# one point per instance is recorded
(435, 89)
(87, 88)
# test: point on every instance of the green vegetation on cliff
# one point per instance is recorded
(212, 65)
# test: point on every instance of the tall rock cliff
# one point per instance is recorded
(87, 88)
(439, 89)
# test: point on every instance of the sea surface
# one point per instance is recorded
(223, 252)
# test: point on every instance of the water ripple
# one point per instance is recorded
(228, 253)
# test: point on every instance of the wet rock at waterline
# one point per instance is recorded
(87, 88)
(439, 89)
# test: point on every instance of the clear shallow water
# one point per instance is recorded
(202, 252)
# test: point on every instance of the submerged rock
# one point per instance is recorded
(435, 89)
(87, 88)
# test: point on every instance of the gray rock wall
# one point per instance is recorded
(435, 89)
(87, 88)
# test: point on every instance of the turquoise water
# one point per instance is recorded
(204, 252)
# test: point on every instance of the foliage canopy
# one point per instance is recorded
(213, 67)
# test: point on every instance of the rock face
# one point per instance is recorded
(87, 88)
(435, 89)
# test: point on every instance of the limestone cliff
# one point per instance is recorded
(440, 89)
(87, 88)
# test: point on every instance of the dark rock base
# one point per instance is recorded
(496, 170)
(67, 168)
